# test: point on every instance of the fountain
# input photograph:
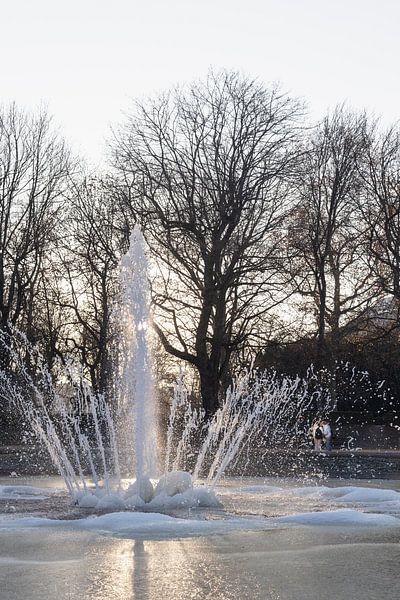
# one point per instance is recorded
(89, 458)
(88, 441)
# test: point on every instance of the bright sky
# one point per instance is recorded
(85, 59)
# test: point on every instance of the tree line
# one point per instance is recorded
(269, 236)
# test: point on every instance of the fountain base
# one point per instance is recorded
(174, 490)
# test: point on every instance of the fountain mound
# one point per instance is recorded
(174, 490)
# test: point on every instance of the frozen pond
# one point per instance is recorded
(273, 539)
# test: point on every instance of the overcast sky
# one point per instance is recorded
(85, 59)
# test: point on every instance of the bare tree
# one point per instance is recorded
(326, 255)
(380, 208)
(94, 236)
(206, 174)
(34, 164)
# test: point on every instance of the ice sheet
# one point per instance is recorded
(24, 492)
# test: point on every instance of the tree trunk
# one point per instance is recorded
(209, 387)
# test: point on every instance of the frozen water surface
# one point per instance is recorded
(275, 564)
(273, 539)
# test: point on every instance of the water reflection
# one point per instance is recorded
(140, 571)
(192, 569)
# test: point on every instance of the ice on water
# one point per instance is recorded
(24, 492)
(341, 507)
